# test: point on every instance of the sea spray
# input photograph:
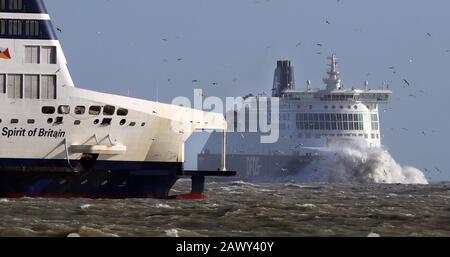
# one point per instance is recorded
(351, 162)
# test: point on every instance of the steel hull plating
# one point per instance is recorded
(106, 179)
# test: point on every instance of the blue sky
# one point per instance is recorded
(117, 46)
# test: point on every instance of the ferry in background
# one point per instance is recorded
(57, 140)
(310, 121)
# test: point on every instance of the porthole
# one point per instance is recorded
(80, 110)
(132, 124)
(122, 122)
(14, 121)
(356, 107)
(77, 122)
(50, 120)
(48, 110)
(122, 112)
(109, 110)
(95, 110)
(63, 109)
(143, 124)
(31, 121)
(96, 121)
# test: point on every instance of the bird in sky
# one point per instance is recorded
(406, 82)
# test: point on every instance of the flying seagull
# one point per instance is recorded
(406, 82)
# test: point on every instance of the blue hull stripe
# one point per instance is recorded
(34, 177)
(28, 6)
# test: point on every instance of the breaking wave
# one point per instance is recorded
(351, 162)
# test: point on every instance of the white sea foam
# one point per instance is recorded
(355, 163)
(172, 233)
(373, 235)
(86, 206)
(163, 206)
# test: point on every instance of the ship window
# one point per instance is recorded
(15, 4)
(132, 124)
(48, 110)
(31, 121)
(77, 122)
(109, 110)
(96, 121)
(32, 54)
(32, 28)
(48, 86)
(2, 27)
(59, 120)
(15, 27)
(143, 124)
(14, 121)
(374, 117)
(80, 110)
(3, 83)
(15, 86)
(63, 109)
(106, 122)
(31, 86)
(2, 4)
(122, 112)
(95, 110)
(122, 122)
(50, 120)
(49, 55)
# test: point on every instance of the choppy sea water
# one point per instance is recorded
(243, 209)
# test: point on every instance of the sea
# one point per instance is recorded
(241, 208)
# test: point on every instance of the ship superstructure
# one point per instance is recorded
(310, 120)
(60, 140)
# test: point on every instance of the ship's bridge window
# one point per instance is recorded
(3, 83)
(15, 4)
(14, 86)
(63, 109)
(109, 110)
(48, 110)
(122, 112)
(15, 27)
(48, 55)
(80, 110)
(95, 110)
(32, 28)
(32, 54)
(2, 27)
(48, 86)
(31, 86)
